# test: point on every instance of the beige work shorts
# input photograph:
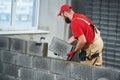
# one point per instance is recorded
(95, 46)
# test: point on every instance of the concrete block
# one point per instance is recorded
(18, 45)
(10, 70)
(45, 50)
(82, 72)
(24, 60)
(8, 56)
(1, 54)
(4, 77)
(63, 78)
(1, 68)
(41, 63)
(4, 43)
(44, 76)
(39, 49)
(60, 67)
(103, 74)
(27, 74)
(117, 75)
(60, 47)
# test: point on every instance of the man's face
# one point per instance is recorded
(67, 20)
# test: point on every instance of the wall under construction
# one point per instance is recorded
(26, 60)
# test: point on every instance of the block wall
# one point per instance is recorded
(27, 60)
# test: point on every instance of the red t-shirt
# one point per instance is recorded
(79, 27)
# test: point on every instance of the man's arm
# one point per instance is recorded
(81, 42)
(71, 40)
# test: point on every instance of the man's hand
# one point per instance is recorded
(71, 55)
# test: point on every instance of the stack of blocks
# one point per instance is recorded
(24, 60)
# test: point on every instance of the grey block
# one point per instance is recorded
(45, 50)
(60, 47)
(63, 78)
(60, 67)
(27, 74)
(41, 63)
(1, 54)
(24, 60)
(4, 43)
(82, 72)
(3, 77)
(8, 56)
(39, 49)
(117, 75)
(44, 76)
(1, 68)
(10, 70)
(18, 45)
(103, 74)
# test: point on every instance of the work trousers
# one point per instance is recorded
(92, 48)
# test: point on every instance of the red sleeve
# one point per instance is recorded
(76, 28)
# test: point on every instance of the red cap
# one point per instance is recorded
(64, 7)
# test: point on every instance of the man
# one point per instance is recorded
(86, 34)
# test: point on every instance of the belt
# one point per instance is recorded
(83, 56)
(95, 55)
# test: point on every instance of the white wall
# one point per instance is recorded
(49, 20)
